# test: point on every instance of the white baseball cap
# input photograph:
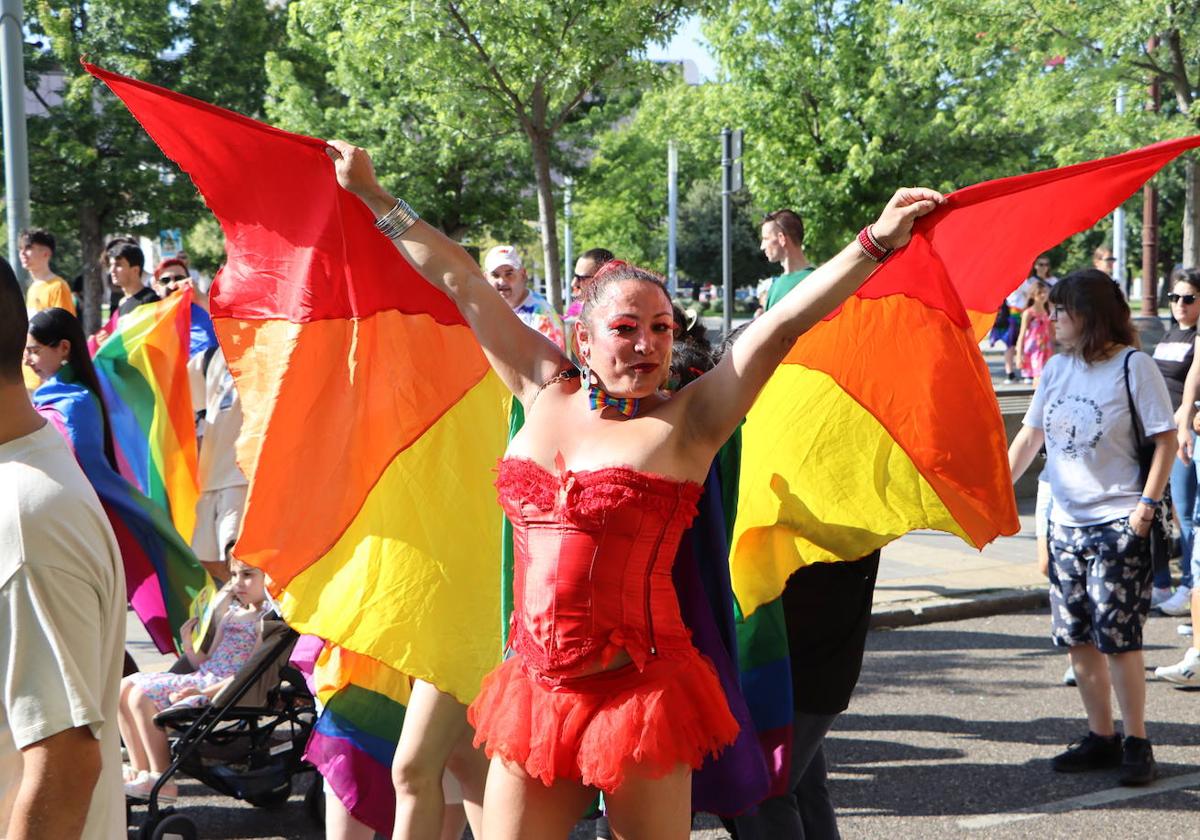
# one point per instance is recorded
(501, 255)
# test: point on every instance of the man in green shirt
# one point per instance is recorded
(782, 242)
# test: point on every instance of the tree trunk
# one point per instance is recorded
(1191, 242)
(540, 145)
(91, 243)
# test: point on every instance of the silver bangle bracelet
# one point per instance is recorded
(394, 223)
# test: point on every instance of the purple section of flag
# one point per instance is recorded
(362, 784)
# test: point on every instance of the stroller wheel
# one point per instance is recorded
(170, 827)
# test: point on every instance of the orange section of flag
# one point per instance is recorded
(328, 406)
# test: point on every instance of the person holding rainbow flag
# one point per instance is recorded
(606, 690)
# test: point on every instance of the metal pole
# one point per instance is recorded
(1150, 219)
(672, 211)
(16, 150)
(727, 229)
(569, 249)
(1120, 252)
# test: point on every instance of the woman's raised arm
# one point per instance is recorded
(522, 357)
(716, 402)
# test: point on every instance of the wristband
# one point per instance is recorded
(1146, 500)
(871, 247)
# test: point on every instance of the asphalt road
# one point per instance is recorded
(949, 735)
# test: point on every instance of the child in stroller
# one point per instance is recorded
(143, 695)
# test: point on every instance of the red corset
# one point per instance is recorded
(593, 555)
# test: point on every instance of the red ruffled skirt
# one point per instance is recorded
(597, 728)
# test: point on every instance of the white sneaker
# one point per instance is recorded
(1178, 604)
(140, 789)
(1184, 629)
(1069, 677)
(1159, 595)
(1186, 672)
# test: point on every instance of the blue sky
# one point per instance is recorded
(687, 43)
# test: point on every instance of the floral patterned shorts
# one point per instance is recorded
(1099, 586)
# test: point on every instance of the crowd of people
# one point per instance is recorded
(626, 408)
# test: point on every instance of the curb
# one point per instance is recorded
(977, 605)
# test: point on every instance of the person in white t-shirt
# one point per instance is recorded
(62, 610)
(223, 486)
(1100, 568)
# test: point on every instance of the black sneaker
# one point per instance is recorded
(1091, 752)
(1137, 765)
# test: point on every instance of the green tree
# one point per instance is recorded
(1065, 61)
(622, 195)
(461, 174)
(841, 105)
(699, 243)
(505, 66)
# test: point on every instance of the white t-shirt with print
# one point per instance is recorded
(1090, 458)
(62, 619)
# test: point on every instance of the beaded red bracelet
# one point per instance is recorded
(871, 247)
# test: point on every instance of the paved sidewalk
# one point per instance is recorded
(931, 576)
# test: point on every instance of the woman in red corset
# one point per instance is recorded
(605, 690)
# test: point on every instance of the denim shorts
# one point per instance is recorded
(1100, 580)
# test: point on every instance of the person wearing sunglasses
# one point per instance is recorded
(170, 276)
(586, 266)
(1174, 356)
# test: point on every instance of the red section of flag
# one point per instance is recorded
(300, 247)
(986, 237)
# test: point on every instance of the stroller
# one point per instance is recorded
(248, 743)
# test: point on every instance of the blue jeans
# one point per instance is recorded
(1183, 494)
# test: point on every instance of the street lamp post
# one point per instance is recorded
(16, 152)
(731, 182)
(672, 212)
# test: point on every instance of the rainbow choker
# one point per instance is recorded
(598, 399)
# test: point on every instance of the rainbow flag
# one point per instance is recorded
(883, 419)
(372, 421)
(162, 576)
(144, 380)
(355, 737)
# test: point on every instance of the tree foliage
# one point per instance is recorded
(842, 103)
(699, 241)
(621, 199)
(464, 175)
(492, 67)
